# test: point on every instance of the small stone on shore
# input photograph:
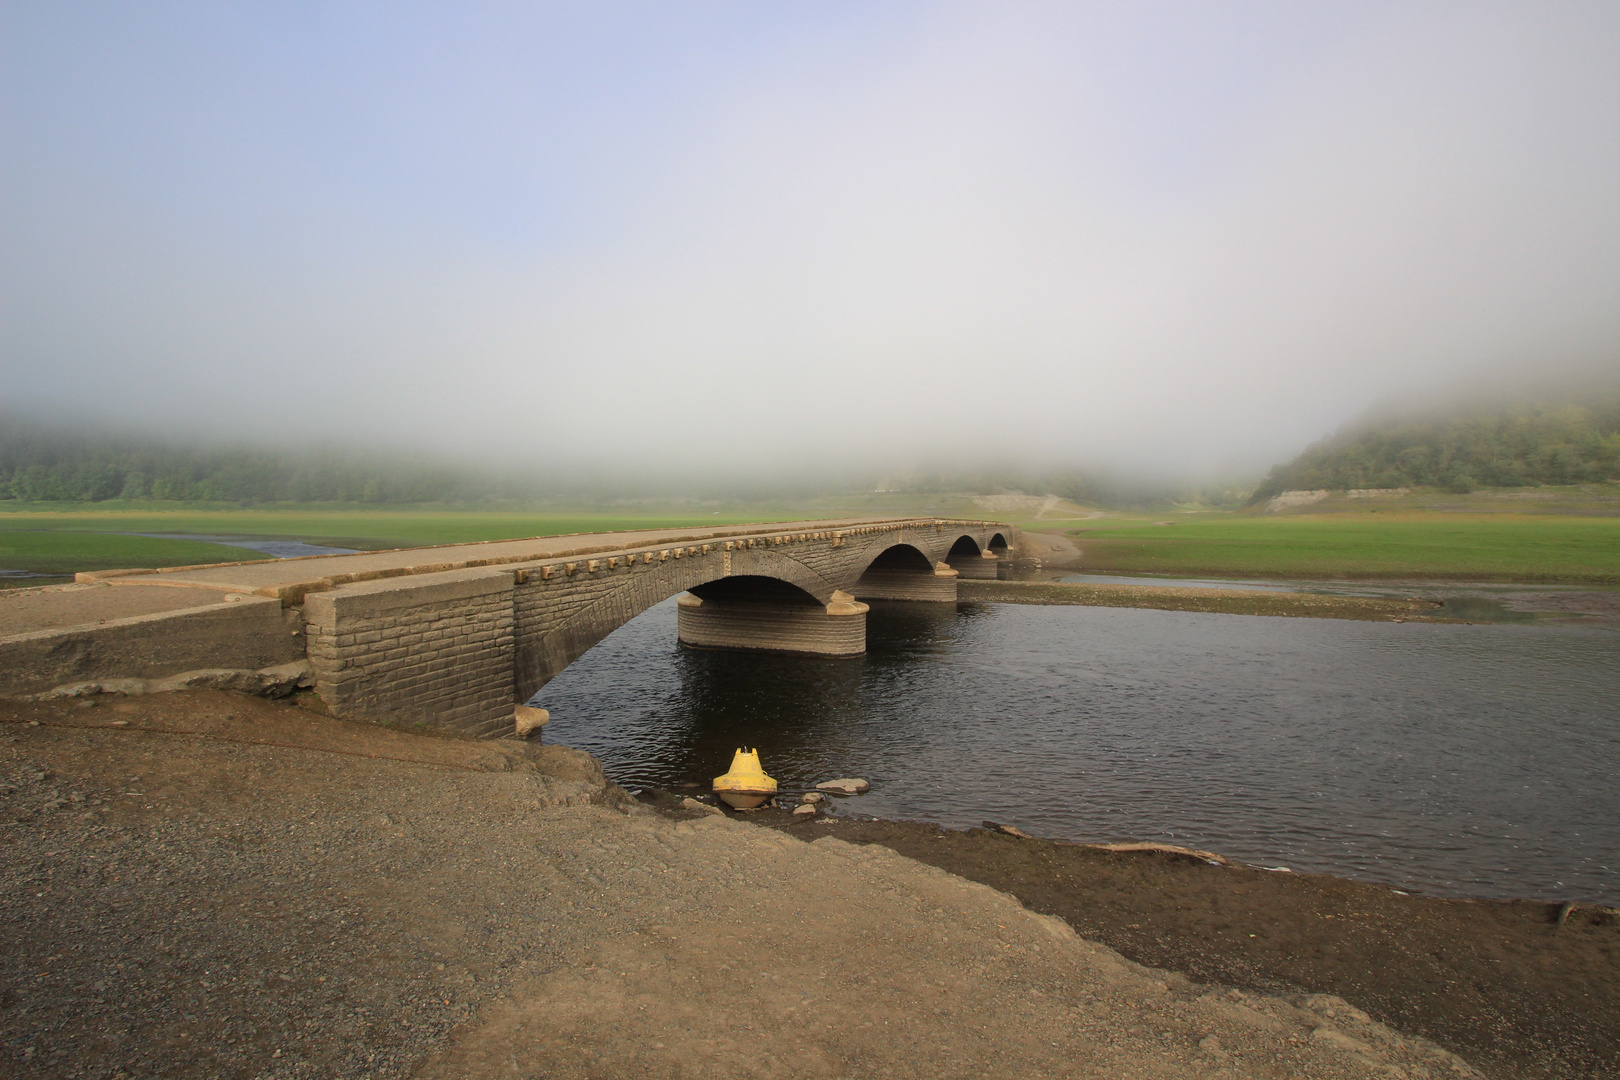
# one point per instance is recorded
(812, 797)
(693, 804)
(805, 808)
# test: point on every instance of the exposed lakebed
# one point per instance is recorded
(1455, 759)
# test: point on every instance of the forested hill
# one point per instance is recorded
(1505, 446)
(45, 464)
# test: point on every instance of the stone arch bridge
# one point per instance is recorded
(455, 636)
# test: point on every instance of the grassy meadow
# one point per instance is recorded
(64, 541)
(61, 553)
(1476, 547)
(1388, 539)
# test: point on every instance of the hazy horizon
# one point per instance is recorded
(1141, 239)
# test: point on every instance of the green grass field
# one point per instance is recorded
(66, 541)
(1477, 547)
(64, 553)
(1492, 547)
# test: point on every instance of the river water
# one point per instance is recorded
(1453, 759)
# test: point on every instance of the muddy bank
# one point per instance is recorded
(207, 885)
(1223, 601)
(1507, 985)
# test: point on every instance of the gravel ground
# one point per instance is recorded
(203, 884)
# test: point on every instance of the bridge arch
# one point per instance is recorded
(972, 561)
(741, 588)
(901, 557)
(905, 572)
(763, 614)
(546, 646)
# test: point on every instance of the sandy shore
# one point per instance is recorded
(204, 884)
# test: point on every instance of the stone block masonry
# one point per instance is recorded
(977, 567)
(894, 584)
(834, 629)
(434, 649)
(245, 632)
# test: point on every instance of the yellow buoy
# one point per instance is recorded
(746, 786)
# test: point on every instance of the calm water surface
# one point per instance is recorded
(1468, 760)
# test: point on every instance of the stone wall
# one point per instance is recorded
(246, 632)
(435, 649)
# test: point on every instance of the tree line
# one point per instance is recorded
(42, 464)
(1516, 445)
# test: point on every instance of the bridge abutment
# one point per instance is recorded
(763, 624)
(434, 649)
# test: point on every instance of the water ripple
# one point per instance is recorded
(1474, 760)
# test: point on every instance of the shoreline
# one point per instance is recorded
(1521, 988)
(1184, 598)
(1585, 606)
(204, 884)
(282, 890)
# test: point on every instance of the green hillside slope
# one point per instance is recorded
(1550, 442)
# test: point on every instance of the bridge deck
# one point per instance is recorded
(291, 579)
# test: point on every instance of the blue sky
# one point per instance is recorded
(1180, 238)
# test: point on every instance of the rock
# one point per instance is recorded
(1339, 1040)
(812, 797)
(804, 809)
(693, 804)
(845, 786)
(528, 720)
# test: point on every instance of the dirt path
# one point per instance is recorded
(203, 884)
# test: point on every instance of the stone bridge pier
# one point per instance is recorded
(767, 615)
